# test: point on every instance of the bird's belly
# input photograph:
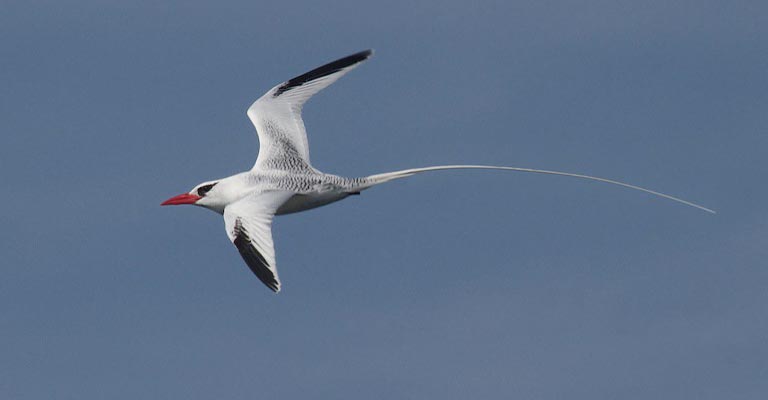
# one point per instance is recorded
(303, 202)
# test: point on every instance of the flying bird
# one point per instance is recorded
(283, 180)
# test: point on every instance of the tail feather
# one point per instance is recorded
(378, 179)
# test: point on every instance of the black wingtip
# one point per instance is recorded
(254, 259)
(365, 53)
(325, 70)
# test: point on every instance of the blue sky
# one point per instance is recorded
(456, 285)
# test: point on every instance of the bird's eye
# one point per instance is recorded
(202, 190)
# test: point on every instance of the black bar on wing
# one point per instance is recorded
(253, 258)
(325, 70)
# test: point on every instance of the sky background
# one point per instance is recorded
(454, 285)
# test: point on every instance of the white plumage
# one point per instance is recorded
(283, 180)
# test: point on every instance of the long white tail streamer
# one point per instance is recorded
(388, 176)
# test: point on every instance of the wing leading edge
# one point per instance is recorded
(277, 114)
(249, 226)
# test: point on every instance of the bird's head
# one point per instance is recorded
(206, 194)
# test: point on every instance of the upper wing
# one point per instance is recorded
(249, 227)
(277, 114)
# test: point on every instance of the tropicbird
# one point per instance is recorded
(284, 181)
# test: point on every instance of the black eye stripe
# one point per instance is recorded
(202, 190)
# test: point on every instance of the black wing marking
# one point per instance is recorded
(253, 258)
(325, 70)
